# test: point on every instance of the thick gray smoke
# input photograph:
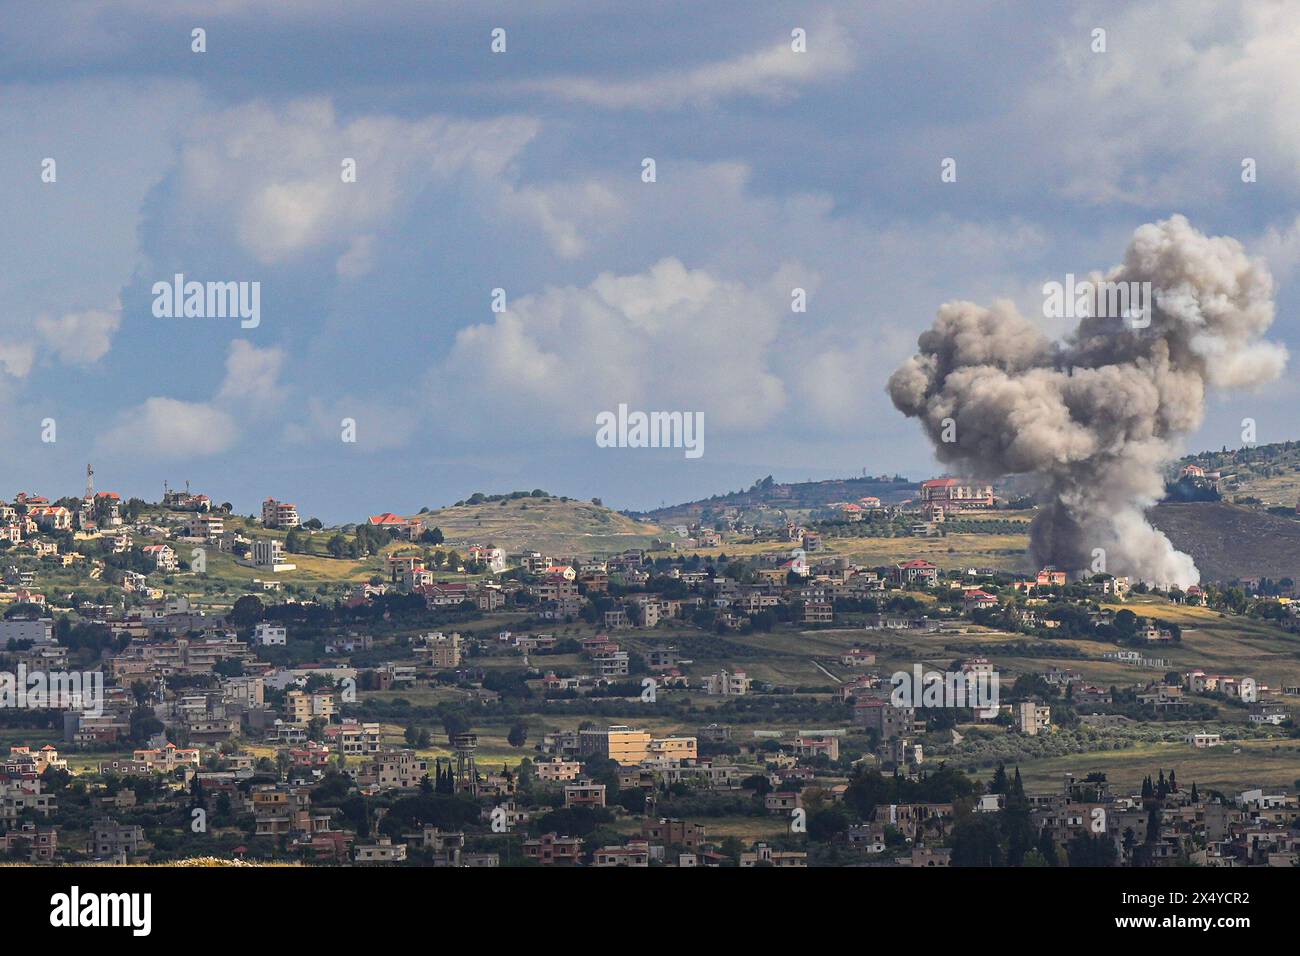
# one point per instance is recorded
(1093, 419)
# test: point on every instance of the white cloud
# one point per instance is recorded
(670, 338)
(774, 72)
(276, 173)
(80, 338)
(169, 428)
(564, 212)
(172, 429)
(1184, 92)
(252, 375)
(1281, 248)
(17, 358)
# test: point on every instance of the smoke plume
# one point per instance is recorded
(1093, 419)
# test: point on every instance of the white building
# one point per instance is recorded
(163, 557)
(724, 684)
(269, 553)
(270, 635)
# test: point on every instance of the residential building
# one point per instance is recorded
(279, 514)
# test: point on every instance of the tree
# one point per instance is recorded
(518, 735)
(1016, 825)
(455, 724)
(827, 823)
(248, 610)
(1046, 849)
(975, 841)
(1126, 623)
(1087, 850)
(999, 784)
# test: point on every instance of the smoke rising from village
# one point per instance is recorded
(1093, 419)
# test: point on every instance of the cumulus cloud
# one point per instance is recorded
(252, 375)
(17, 358)
(80, 338)
(277, 172)
(1175, 72)
(669, 338)
(170, 428)
(167, 428)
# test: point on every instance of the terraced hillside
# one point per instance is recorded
(560, 525)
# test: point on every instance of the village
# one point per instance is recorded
(666, 705)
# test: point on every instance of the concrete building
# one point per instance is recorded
(279, 514)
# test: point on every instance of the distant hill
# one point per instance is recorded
(1231, 542)
(1268, 473)
(769, 495)
(558, 525)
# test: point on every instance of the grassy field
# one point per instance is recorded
(1230, 768)
(1005, 552)
(746, 829)
(1224, 643)
(550, 525)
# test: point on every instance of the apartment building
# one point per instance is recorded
(279, 514)
(403, 769)
(619, 743)
(444, 650)
(303, 708)
(270, 635)
(727, 684)
(556, 770)
(352, 738)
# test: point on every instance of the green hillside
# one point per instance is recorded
(551, 524)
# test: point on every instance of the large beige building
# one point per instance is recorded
(631, 747)
(1033, 718)
(304, 707)
(557, 770)
(620, 743)
(444, 650)
(674, 748)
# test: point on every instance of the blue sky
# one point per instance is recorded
(521, 171)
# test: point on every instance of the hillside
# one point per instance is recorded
(560, 525)
(1230, 542)
(1269, 473)
(769, 495)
